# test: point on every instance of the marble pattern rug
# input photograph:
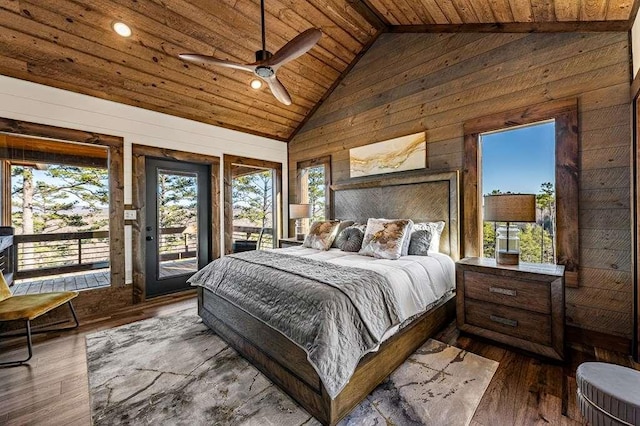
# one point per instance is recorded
(174, 370)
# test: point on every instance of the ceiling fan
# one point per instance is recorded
(267, 64)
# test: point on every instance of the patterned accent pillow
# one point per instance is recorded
(321, 234)
(436, 229)
(385, 238)
(420, 242)
(350, 239)
(344, 224)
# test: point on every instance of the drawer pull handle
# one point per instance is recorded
(505, 291)
(503, 321)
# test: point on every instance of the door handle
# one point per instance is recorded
(149, 238)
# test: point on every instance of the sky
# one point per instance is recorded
(519, 160)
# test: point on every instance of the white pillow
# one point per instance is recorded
(436, 229)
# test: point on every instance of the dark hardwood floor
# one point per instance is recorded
(53, 390)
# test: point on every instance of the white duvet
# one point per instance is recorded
(418, 281)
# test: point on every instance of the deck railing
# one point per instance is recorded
(262, 236)
(38, 255)
(176, 244)
(56, 253)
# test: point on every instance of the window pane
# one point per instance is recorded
(312, 191)
(177, 243)
(522, 161)
(252, 208)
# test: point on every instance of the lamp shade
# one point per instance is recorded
(510, 208)
(299, 211)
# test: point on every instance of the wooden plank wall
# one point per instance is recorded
(407, 83)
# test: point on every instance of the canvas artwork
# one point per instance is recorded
(394, 155)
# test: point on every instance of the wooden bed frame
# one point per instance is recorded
(421, 197)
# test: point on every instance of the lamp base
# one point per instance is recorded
(504, 257)
(300, 237)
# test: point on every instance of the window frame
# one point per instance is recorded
(565, 114)
(315, 162)
(228, 162)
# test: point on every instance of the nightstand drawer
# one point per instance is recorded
(529, 295)
(511, 321)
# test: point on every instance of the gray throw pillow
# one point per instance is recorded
(343, 225)
(350, 239)
(420, 243)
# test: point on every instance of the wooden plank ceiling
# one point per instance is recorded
(70, 44)
(544, 13)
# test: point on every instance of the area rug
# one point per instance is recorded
(174, 370)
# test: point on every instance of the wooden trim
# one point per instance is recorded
(519, 117)
(139, 192)
(370, 13)
(18, 127)
(471, 217)
(5, 202)
(285, 364)
(18, 156)
(634, 13)
(227, 177)
(320, 161)
(567, 196)
(115, 163)
(565, 113)
(397, 179)
(635, 84)
(517, 27)
(635, 226)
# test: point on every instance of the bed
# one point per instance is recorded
(421, 197)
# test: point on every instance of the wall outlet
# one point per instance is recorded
(130, 214)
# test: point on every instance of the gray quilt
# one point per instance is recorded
(336, 314)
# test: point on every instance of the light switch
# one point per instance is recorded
(130, 214)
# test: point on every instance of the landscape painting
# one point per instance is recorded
(394, 155)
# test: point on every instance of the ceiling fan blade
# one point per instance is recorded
(300, 45)
(194, 57)
(278, 90)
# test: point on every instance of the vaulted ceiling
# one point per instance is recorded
(70, 44)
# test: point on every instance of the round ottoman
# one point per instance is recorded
(608, 394)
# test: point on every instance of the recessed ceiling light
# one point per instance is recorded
(256, 84)
(121, 29)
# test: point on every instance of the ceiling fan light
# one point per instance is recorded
(122, 29)
(256, 84)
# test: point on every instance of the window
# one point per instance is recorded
(253, 203)
(521, 160)
(253, 208)
(58, 205)
(564, 113)
(314, 179)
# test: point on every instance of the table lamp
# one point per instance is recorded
(509, 208)
(299, 212)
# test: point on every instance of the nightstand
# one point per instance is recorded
(289, 242)
(519, 305)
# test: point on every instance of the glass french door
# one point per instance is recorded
(178, 225)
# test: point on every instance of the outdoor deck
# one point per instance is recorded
(92, 279)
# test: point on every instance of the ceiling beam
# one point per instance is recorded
(516, 27)
(370, 13)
